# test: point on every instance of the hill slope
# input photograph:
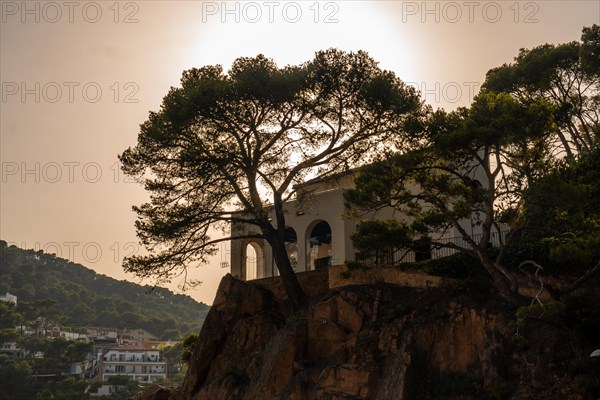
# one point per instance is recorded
(74, 295)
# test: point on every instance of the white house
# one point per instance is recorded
(86, 368)
(318, 234)
(137, 334)
(9, 298)
(141, 364)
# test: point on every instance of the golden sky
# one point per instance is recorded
(78, 77)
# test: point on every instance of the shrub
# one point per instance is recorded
(552, 312)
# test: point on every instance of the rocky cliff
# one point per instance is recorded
(382, 342)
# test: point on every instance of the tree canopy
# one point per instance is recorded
(535, 124)
(233, 147)
(565, 75)
(468, 163)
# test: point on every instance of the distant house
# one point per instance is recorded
(141, 364)
(73, 335)
(138, 334)
(318, 235)
(45, 327)
(86, 368)
(101, 332)
(9, 298)
(25, 330)
(105, 390)
(104, 342)
(104, 338)
(11, 348)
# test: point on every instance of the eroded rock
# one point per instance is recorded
(372, 342)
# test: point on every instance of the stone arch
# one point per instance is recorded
(253, 260)
(318, 245)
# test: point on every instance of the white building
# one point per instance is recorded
(318, 234)
(141, 364)
(9, 298)
(138, 334)
(73, 335)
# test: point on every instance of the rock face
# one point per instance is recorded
(377, 342)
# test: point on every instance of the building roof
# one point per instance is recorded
(143, 347)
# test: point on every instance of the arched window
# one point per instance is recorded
(253, 260)
(318, 247)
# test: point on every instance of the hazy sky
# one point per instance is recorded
(78, 77)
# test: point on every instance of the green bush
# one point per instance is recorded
(189, 345)
(552, 312)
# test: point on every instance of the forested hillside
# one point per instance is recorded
(72, 295)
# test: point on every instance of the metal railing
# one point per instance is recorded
(393, 256)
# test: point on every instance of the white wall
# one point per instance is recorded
(327, 204)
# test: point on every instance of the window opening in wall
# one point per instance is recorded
(319, 246)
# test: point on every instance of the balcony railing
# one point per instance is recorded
(392, 256)
(137, 358)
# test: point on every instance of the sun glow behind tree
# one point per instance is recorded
(291, 32)
(435, 51)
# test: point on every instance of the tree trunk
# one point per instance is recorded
(504, 281)
(295, 293)
(275, 235)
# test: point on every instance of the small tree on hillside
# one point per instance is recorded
(231, 147)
